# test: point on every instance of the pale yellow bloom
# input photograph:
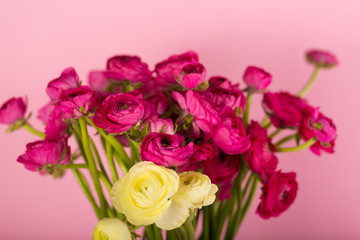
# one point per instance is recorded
(111, 229)
(144, 193)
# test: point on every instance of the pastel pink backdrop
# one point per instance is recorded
(41, 38)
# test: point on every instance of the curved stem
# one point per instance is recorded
(92, 165)
(310, 83)
(109, 154)
(98, 159)
(306, 144)
(266, 123)
(33, 130)
(284, 140)
(247, 110)
(248, 201)
(276, 132)
(72, 166)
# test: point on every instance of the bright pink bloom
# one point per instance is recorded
(171, 67)
(278, 194)
(230, 136)
(203, 152)
(44, 112)
(120, 112)
(165, 150)
(284, 109)
(192, 75)
(129, 68)
(157, 124)
(260, 157)
(256, 78)
(71, 100)
(321, 58)
(67, 80)
(205, 117)
(43, 156)
(98, 81)
(158, 103)
(51, 116)
(219, 82)
(12, 110)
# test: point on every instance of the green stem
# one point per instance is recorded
(306, 144)
(266, 123)
(157, 232)
(98, 159)
(189, 229)
(85, 187)
(206, 223)
(121, 163)
(72, 166)
(284, 140)
(248, 201)
(149, 232)
(276, 132)
(106, 181)
(110, 158)
(247, 110)
(228, 207)
(310, 83)
(33, 130)
(93, 171)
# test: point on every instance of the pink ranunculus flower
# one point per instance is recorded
(230, 136)
(284, 109)
(12, 110)
(192, 75)
(158, 103)
(256, 78)
(171, 67)
(98, 81)
(278, 194)
(222, 170)
(120, 112)
(44, 112)
(219, 82)
(315, 124)
(129, 68)
(165, 149)
(67, 80)
(203, 152)
(321, 58)
(205, 116)
(51, 116)
(156, 124)
(43, 156)
(260, 157)
(71, 100)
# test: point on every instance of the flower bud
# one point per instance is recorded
(12, 110)
(256, 78)
(67, 80)
(111, 229)
(321, 58)
(192, 75)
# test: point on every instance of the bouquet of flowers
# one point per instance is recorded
(180, 159)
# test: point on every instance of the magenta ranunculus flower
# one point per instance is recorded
(98, 81)
(284, 109)
(203, 152)
(230, 136)
(165, 150)
(278, 194)
(156, 124)
(192, 75)
(67, 80)
(260, 157)
(71, 100)
(12, 110)
(321, 58)
(256, 78)
(158, 103)
(43, 156)
(129, 68)
(51, 116)
(120, 112)
(205, 117)
(171, 67)
(219, 82)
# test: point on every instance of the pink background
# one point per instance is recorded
(40, 38)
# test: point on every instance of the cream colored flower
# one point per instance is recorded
(195, 191)
(144, 193)
(111, 229)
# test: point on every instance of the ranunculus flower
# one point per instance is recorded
(44, 112)
(219, 82)
(157, 124)
(98, 81)
(195, 191)
(260, 157)
(165, 150)
(120, 112)
(171, 67)
(129, 68)
(256, 78)
(51, 116)
(278, 194)
(67, 80)
(192, 75)
(315, 124)
(230, 136)
(284, 109)
(203, 152)
(205, 117)
(144, 193)
(43, 156)
(158, 103)
(12, 110)
(71, 100)
(111, 229)
(321, 58)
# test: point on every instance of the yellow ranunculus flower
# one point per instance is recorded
(111, 229)
(144, 193)
(195, 191)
